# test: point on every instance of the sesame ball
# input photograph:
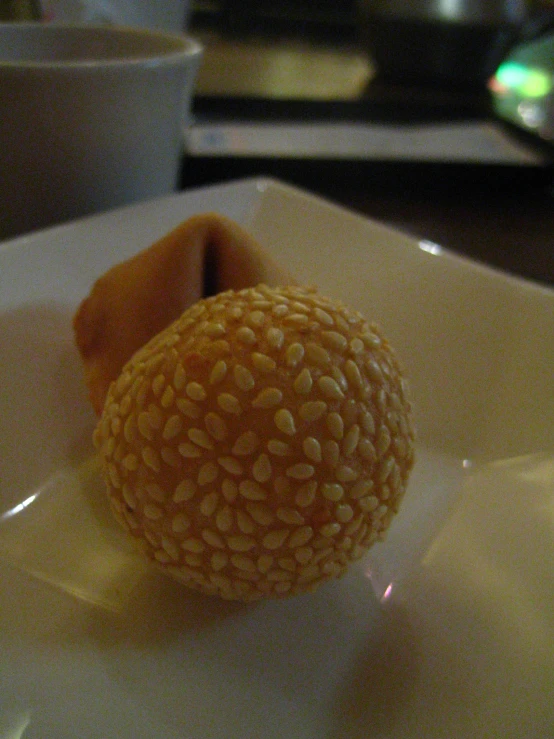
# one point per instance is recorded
(259, 444)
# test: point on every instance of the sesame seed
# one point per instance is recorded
(308, 573)
(209, 504)
(330, 529)
(215, 330)
(251, 490)
(170, 547)
(354, 525)
(168, 397)
(275, 539)
(368, 423)
(303, 554)
(230, 490)
(312, 449)
(246, 443)
(130, 462)
(369, 503)
(144, 427)
(229, 403)
(180, 523)
(207, 473)
(261, 469)
(331, 453)
(196, 546)
(151, 458)
(155, 416)
(305, 494)
(153, 512)
(294, 354)
(360, 489)
(317, 354)
(380, 512)
(269, 397)
(193, 560)
(374, 371)
(279, 577)
(356, 346)
(386, 468)
(351, 440)
(224, 518)
(114, 475)
(275, 338)
(334, 340)
(219, 560)
(280, 310)
(366, 450)
(312, 410)
(296, 319)
(246, 335)
(200, 438)
(241, 543)
(300, 471)
(244, 563)
(279, 448)
(255, 318)
(188, 408)
(330, 388)
(262, 362)
(371, 340)
(173, 427)
(189, 451)
(383, 441)
(346, 474)
(303, 382)
(261, 513)
(158, 384)
(213, 539)
(235, 312)
(129, 496)
(195, 391)
(156, 492)
(179, 377)
(353, 374)
(184, 491)
(344, 513)
(332, 491)
(285, 422)
(243, 378)
(218, 372)
(216, 426)
(287, 563)
(262, 304)
(231, 465)
(323, 317)
(245, 523)
(291, 516)
(281, 485)
(264, 562)
(151, 538)
(129, 429)
(335, 424)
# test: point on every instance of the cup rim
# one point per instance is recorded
(180, 46)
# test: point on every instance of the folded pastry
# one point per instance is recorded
(254, 442)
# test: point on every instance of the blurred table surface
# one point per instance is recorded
(499, 214)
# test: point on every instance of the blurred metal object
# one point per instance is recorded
(20, 10)
(439, 41)
(523, 87)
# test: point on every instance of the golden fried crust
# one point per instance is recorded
(136, 299)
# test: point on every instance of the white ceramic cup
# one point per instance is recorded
(92, 117)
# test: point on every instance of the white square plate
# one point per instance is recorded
(446, 630)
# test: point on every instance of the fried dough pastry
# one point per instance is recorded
(138, 298)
